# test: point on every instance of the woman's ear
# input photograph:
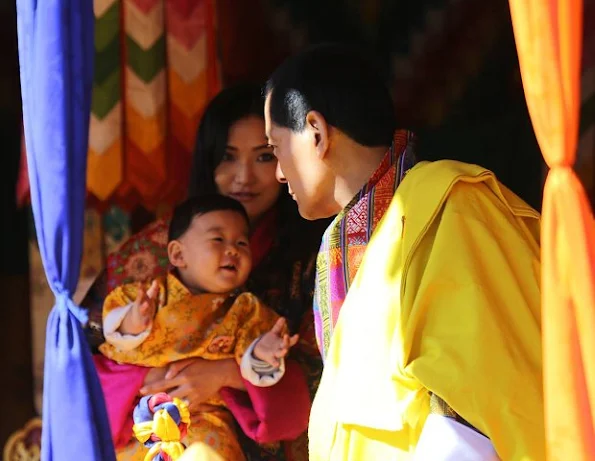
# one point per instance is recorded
(175, 254)
(317, 125)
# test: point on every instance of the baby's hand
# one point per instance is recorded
(275, 344)
(140, 316)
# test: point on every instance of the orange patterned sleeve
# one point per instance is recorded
(126, 294)
(254, 319)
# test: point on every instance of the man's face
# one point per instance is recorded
(301, 165)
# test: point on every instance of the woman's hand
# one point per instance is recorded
(154, 375)
(196, 380)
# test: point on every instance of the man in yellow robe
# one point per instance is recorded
(427, 296)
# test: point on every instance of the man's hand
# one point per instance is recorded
(140, 316)
(275, 344)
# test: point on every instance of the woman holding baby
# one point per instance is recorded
(232, 158)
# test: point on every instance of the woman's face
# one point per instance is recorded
(247, 169)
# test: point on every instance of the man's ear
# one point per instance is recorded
(175, 254)
(319, 129)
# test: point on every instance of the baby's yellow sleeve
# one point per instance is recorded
(126, 294)
(254, 319)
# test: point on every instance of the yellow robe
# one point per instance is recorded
(188, 326)
(447, 300)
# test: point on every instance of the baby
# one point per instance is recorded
(198, 310)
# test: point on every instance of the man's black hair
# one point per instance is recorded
(340, 82)
(186, 211)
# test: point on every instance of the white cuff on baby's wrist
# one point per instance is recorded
(111, 324)
(260, 373)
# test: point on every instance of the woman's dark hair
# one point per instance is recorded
(198, 205)
(296, 238)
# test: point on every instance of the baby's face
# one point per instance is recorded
(216, 251)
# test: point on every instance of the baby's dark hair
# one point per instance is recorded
(186, 211)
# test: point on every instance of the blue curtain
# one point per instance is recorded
(56, 52)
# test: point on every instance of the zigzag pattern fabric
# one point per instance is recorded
(105, 130)
(155, 70)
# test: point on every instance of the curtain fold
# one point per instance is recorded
(56, 59)
(549, 37)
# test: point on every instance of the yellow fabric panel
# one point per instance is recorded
(190, 325)
(126, 294)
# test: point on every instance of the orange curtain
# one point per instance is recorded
(548, 35)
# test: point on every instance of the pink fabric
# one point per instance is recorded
(22, 188)
(271, 414)
(120, 384)
(261, 412)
